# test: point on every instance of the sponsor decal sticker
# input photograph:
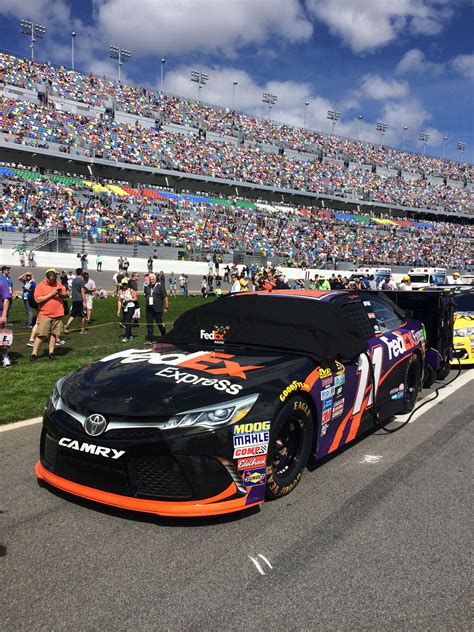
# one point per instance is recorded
(324, 373)
(339, 380)
(338, 392)
(251, 450)
(326, 416)
(252, 438)
(399, 343)
(256, 426)
(182, 377)
(328, 381)
(338, 409)
(292, 388)
(327, 393)
(252, 462)
(324, 428)
(217, 335)
(254, 477)
(327, 403)
(90, 448)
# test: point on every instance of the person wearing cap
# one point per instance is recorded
(456, 278)
(322, 283)
(49, 295)
(405, 284)
(28, 290)
(79, 301)
(126, 305)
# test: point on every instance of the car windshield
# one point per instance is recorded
(465, 302)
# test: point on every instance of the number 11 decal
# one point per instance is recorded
(363, 370)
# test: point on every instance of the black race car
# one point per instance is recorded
(227, 409)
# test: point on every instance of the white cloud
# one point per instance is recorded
(289, 107)
(176, 27)
(51, 13)
(379, 89)
(464, 65)
(366, 25)
(414, 61)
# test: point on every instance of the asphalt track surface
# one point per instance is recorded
(376, 538)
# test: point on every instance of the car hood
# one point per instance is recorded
(168, 379)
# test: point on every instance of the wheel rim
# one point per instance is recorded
(287, 448)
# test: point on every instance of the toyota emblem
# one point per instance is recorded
(95, 425)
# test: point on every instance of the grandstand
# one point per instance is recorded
(122, 142)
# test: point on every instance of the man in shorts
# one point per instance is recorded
(90, 290)
(49, 295)
(79, 304)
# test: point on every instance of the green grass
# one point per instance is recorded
(26, 386)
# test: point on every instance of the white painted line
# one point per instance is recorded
(371, 458)
(461, 381)
(265, 560)
(257, 565)
(21, 424)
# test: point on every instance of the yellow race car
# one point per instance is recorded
(464, 328)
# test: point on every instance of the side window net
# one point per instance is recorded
(358, 315)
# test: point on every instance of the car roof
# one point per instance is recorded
(316, 294)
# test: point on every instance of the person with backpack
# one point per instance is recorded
(27, 294)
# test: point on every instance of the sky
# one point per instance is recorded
(406, 63)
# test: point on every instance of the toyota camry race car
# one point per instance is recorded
(225, 412)
(464, 328)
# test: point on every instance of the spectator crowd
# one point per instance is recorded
(198, 224)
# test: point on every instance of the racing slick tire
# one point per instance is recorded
(430, 376)
(289, 448)
(412, 383)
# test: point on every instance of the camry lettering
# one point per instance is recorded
(90, 448)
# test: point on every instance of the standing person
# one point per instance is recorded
(49, 297)
(4, 305)
(31, 259)
(70, 279)
(161, 279)
(84, 260)
(210, 265)
(98, 263)
(78, 295)
(218, 281)
(172, 282)
(156, 302)
(89, 289)
(120, 264)
(204, 286)
(405, 284)
(226, 274)
(235, 284)
(125, 265)
(215, 259)
(149, 264)
(5, 275)
(28, 289)
(63, 278)
(126, 308)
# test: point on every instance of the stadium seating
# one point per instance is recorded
(116, 213)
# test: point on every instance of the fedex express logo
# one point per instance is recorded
(213, 362)
(400, 342)
(217, 335)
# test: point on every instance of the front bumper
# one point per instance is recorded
(188, 475)
(463, 351)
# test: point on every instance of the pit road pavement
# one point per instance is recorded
(376, 538)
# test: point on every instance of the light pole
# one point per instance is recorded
(334, 117)
(234, 84)
(382, 128)
(122, 55)
(162, 67)
(445, 140)
(359, 121)
(403, 137)
(34, 30)
(201, 79)
(306, 103)
(73, 37)
(270, 99)
(424, 137)
(461, 146)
